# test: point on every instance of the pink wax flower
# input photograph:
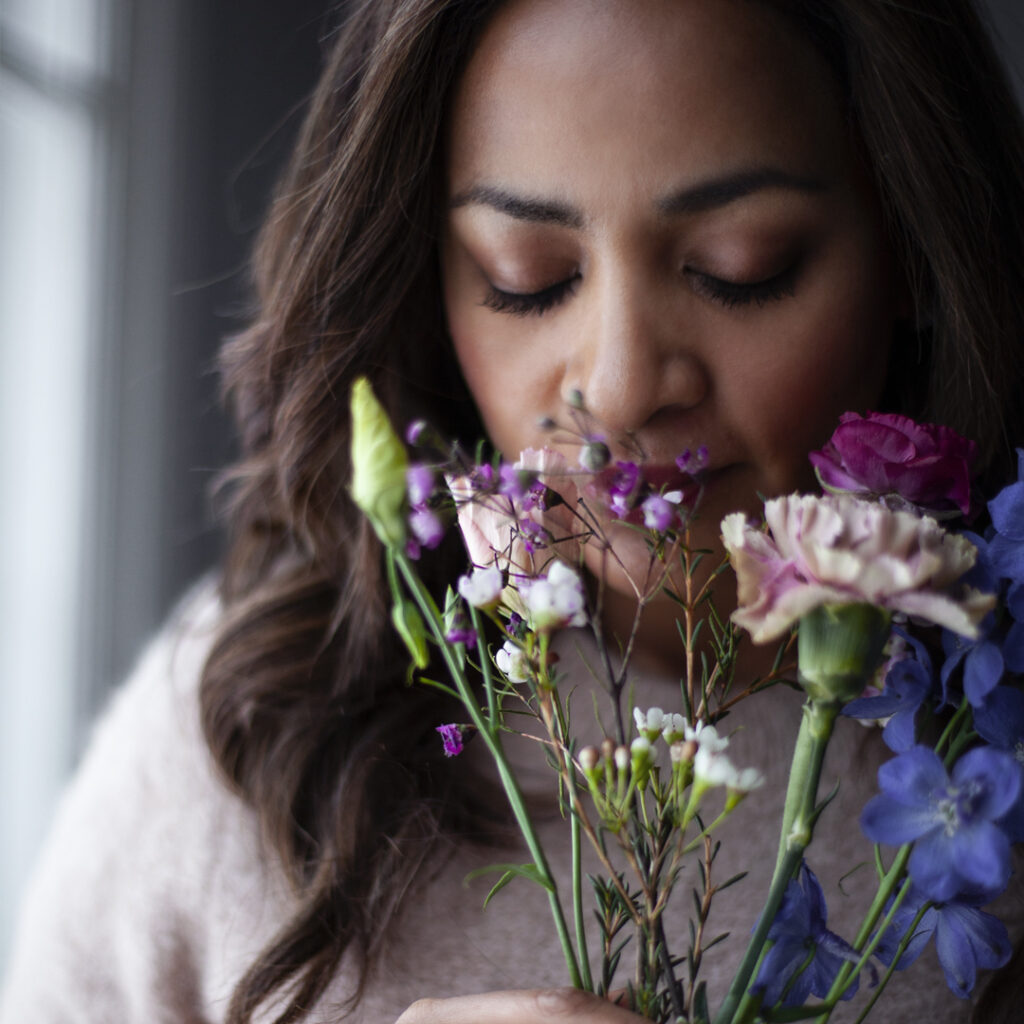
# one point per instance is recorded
(836, 550)
(883, 454)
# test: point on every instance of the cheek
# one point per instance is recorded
(829, 360)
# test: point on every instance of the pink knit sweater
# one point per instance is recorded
(153, 894)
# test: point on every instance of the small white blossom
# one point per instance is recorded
(747, 780)
(482, 587)
(649, 723)
(555, 600)
(714, 768)
(706, 737)
(512, 663)
(622, 758)
(673, 728)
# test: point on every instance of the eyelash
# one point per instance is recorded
(729, 294)
(530, 303)
(744, 293)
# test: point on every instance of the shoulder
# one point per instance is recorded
(146, 847)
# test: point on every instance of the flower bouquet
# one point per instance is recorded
(867, 585)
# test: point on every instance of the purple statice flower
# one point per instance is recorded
(516, 626)
(415, 431)
(451, 737)
(427, 527)
(624, 487)
(799, 937)
(533, 535)
(658, 513)
(513, 481)
(908, 684)
(460, 630)
(966, 938)
(953, 822)
(419, 483)
(693, 462)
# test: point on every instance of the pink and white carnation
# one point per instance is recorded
(837, 549)
(891, 456)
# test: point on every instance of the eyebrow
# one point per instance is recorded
(699, 198)
(541, 211)
(717, 192)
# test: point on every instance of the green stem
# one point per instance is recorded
(508, 780)
(577, 903)
(819, 717)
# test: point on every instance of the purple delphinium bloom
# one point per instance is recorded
(907, 686)
(797, 934)
(451, 737)
(952, 822)
(966, 938)
(658, 513)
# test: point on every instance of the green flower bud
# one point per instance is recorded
(409, 624)
(379, 463)
(840, 648)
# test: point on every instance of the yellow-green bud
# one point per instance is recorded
(840, 646)
(379, 463)
(409, 624)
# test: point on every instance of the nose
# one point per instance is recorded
(636, 360)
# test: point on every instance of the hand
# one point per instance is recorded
(528, 1006)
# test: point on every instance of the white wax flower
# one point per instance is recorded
(482, 587)
(747, 780)
(706, 736)
(649, 723)
(713, 767)
(555, 600)
(512, 663)
(673, 728)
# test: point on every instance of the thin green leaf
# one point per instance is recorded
(527, 871)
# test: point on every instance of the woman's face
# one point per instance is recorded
(660, 204)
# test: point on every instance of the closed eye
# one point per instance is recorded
(530, 303)
(742, 293)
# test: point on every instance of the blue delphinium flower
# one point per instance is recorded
(908, 684)
(981, 658)
(1007, 510)
(952, 822)
(966, 938)
(801, 940)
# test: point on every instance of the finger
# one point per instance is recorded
(536, 1006)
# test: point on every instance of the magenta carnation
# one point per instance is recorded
(880, 454)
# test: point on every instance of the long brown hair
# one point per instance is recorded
(303, 697)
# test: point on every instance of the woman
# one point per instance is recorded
(725, 222)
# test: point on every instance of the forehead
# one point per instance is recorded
(654, 89)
